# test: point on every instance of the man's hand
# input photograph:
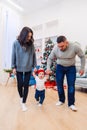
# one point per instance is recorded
(48, 72)
(81, 72)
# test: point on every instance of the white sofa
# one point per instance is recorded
(81, 82)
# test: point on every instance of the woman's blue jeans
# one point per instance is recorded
(70, 73)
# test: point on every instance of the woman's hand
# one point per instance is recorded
(14, 71)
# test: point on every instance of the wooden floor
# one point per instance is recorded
(47, 117)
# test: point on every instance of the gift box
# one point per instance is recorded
(50, 84)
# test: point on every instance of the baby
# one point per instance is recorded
(40, 87)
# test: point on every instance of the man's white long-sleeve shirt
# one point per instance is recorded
(66, 58)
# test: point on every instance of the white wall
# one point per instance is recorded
(10, 25)
(72, 22)
(72, 19)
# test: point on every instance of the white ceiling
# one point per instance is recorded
(31, 6)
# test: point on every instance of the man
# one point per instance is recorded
(65, 53)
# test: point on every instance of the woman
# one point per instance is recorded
(23, 60)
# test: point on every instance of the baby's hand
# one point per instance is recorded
(35, 70)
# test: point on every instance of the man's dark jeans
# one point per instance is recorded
(70, 73)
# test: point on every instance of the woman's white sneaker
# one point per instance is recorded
(59, 103)
(24, 108)
(73, 108)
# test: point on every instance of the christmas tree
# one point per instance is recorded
(48, 48)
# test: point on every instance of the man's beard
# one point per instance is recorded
(64, 49)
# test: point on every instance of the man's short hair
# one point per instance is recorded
(61, 39)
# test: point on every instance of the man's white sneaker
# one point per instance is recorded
(24, 108)
(59, 103)
(37, 102)
(39, 105)
(73, 108)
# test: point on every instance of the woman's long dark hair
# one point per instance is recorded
(22, 38)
